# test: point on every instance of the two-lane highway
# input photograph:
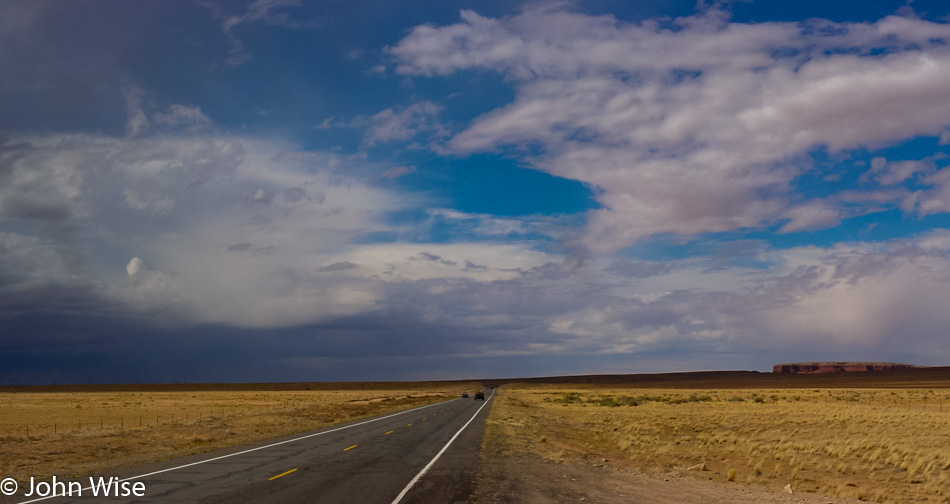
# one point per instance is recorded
(426, 454)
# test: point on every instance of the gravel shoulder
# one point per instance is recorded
(529, 479)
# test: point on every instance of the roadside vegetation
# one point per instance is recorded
(876, 445)
(70, 434)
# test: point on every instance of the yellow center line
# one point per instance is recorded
(350, 448)
(408, 425)
(425, 418)
(281, 474)
(390, 432)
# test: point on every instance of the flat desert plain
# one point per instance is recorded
(613, 442)
(735, 437)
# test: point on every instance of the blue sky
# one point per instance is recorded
(275, 190)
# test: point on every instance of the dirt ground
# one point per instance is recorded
(532, 480)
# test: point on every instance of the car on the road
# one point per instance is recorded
(464, 395)
(479, 395)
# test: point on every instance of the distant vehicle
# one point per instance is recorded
(464, 395)
(479, 395)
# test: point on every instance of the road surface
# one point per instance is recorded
(378, 460)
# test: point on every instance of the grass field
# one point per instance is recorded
(880, 445)
(88, 430)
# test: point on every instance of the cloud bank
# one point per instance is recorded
(694, 124)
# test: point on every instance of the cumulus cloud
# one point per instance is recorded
(695, 124)
(135, 266)
(235, 228)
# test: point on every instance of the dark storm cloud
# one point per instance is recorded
(35, 275)
(63, 63)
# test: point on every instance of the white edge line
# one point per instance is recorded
(434, 459)
(254, 449)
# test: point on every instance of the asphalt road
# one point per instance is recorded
(378, 460)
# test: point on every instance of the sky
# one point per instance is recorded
(289, 190)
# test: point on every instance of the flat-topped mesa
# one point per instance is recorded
(838, 367)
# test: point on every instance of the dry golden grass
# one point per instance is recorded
(872, 444)
(78, 433)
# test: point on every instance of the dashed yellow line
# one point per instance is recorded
(350, 448)
(281, 474)
(408, 425)
(390, 432)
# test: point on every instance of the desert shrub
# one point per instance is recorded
(608, 401)
(567, 398)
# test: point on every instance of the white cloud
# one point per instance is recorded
(854, 300)
(155, 202)
(135, 266)
(864, 298)
(398, 171)
(489, 225)
(695, 124)
(389, 125)
(196, 197)
(181, 116)
(888, 173)
(811, 215)
(136, 120)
